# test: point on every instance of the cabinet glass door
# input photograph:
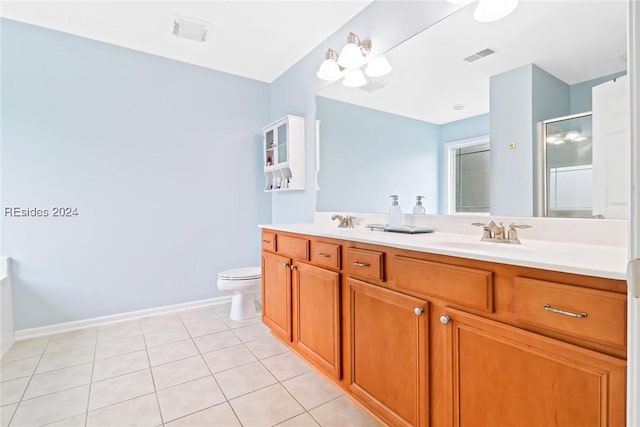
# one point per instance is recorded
(269, 145)
(282, 143)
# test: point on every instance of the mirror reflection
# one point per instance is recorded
(461, 85)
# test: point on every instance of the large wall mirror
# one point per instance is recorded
(461, 117)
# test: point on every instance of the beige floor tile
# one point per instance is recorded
(251, 332)
(72, 340)
(244, 379)
(77, 421)
(6, 412)
(119, 330)
(233, 324)
(302, 420)
(65, 359)
(222, 309)
(205, 328)
(266, 347)
(178, 372)
(142, 411)
(342, 412)
(160, 322)
(12, 369)
(166, 336)
(116, 346)
(60, 379)
(197, 315)
(120, 365)
(311, 389)
(216, 341)
(230, 357)
(11, 391)
(185, 399)
(27, 348)
(172, 352)
(51, 408)
(118, 389)
(286, 365)
(266, 407)
(221, 415)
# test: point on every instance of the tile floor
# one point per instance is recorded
(192, 368)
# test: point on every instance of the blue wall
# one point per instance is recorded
(367, 154)
(581, 93)
(161, 159)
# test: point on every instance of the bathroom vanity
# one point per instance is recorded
(439, 330)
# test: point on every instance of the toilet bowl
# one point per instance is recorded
(245, 284)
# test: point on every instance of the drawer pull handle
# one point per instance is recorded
(445, 320)
(293, 267)
(285, 264)
(323, 255)
(418, 311)
(266, 241)
(565, 313)
(361, 264)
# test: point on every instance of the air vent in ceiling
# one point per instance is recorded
(479, 55)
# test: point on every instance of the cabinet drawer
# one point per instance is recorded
(590, 314)
(268, 241)
(364, 263)
(293, 247)
(325, 254)
(469, 287)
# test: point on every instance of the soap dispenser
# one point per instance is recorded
(418, 208)
(395, 213)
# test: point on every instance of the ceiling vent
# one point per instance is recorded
(479, 55)
(190, 28)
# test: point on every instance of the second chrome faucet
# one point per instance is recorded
(492, 232)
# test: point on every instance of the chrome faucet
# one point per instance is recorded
(492, 232)
(346, 221)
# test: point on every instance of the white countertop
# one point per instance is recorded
(577, 258)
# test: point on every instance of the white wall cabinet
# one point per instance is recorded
(284, 154)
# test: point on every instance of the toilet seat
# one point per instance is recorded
(245, 273)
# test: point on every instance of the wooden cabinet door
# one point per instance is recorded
(504, 376)
(388, 340)
(276, 294)
(317, 316)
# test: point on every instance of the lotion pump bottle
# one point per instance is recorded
(395, 213)
(418, 208)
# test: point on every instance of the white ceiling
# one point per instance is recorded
(255, 39)
(573, 40)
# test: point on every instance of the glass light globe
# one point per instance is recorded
(329, 70)
(351, 56)
(354, 78)
(378, 67)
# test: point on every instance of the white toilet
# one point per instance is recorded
(245, 283)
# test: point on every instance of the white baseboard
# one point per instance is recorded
(57, 328)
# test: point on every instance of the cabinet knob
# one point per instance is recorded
(418, 311)
(293, 267)
(285, 264)
(445, 320)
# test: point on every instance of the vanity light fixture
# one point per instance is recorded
(490, 10)
(348, 63)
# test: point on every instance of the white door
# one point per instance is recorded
(611, 148)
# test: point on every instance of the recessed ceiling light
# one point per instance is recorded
(189, 28)
(458, 107)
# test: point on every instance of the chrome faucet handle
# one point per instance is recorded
(513, 233)
(486, 229)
